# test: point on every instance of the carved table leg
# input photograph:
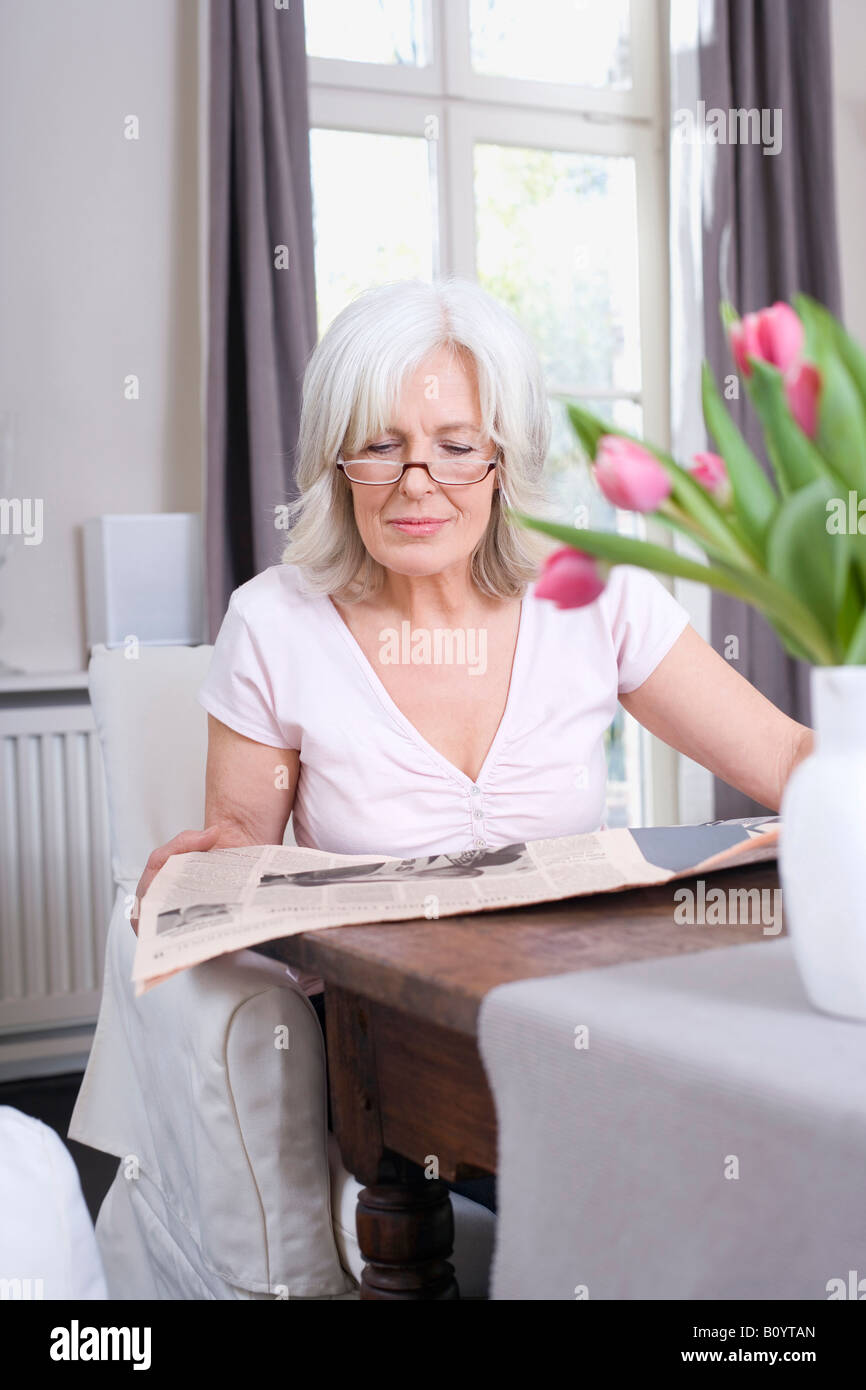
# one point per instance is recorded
(406, 1233)
(405, 1223)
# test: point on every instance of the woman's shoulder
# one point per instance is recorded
(276, 591)
(633, 610)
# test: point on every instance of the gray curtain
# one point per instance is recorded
(769, 230)
(262, 314)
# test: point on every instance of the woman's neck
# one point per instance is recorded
(443, 600)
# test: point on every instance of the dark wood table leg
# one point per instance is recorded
(405, 1224)
(406, 1233)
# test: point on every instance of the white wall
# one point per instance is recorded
(98, 279)
(849, 57)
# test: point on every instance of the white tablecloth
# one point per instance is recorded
(709, 1142)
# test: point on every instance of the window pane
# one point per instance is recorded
(372, 213)
(625, 802)
(557, 242)
(367, 31)
(579, 42)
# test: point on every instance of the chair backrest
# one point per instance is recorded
(153, 735)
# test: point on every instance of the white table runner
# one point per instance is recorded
(705, 1139)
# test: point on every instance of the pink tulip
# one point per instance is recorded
(629, 475)
(744, 342)
(774, 335)
(711, 472)
(781, 336)
(803, 388)
(571, 578)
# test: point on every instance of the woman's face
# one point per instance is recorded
(417, 527)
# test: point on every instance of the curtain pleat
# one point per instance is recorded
(262, 301)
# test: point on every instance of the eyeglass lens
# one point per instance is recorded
(468, 467)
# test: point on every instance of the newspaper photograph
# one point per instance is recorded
(203, 905)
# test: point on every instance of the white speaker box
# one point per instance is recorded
(144, 578)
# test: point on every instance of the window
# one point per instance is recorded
(360, 239)
(510, 38)
(367, 31)
(519, 143)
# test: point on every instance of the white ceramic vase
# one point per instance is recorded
(822, 858)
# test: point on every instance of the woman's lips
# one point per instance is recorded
(419, 526)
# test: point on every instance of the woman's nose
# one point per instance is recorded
(415, 482)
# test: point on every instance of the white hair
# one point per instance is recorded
(351, 387)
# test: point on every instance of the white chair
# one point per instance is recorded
(229, 1185)
(47, 1249)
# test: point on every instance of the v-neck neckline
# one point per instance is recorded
(406, 724)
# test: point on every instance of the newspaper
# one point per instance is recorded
(202, 905)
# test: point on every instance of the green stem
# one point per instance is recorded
(680, 520)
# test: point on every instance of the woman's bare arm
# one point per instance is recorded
(701, 706)
(249, 787)
(249, 794)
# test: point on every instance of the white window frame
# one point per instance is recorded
(449, 73)
(637, 101)
(470, 107)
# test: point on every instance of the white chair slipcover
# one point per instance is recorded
(224, 1189)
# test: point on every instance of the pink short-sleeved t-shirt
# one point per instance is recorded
(286, 671)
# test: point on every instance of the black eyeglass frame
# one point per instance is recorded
(342, 464)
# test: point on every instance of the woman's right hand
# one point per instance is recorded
(187, 842)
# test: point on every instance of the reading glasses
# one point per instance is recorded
(452, 472)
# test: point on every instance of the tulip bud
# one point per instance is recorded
(629, 475)
(774, 335)
(780, 336)
(710, 470)
(571, 578)
(803, 389)
(744, 342)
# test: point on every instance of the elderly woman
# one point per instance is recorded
(424, 410)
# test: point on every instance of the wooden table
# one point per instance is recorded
(406, 1077)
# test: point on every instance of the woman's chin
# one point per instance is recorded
(419, 559)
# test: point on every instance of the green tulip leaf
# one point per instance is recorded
(681, 522)
(793, 455)
(588, 427)
(850, 609)
(791, 645)
(855, 654)
(841, 408)
(821, 324)
(804, 557)
(755, 498)
(857, 538)
(842, 424)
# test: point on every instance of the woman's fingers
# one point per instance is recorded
(188, 841)
(185, 842)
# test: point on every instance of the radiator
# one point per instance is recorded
(55, 871)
